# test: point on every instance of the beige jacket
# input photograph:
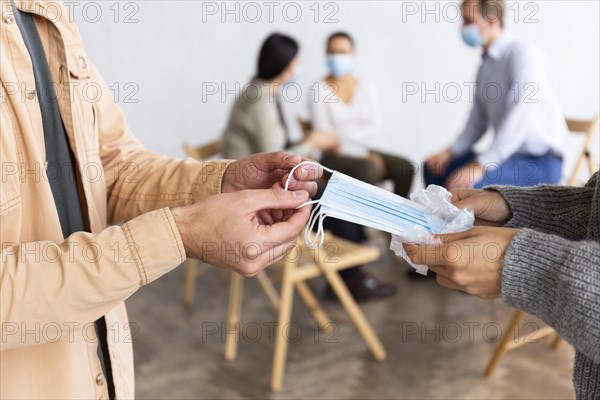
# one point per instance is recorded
(52, 289)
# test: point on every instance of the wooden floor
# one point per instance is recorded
(438, 343)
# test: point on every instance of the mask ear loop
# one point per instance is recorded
(316, 214)
(313, 163)
(316, 217)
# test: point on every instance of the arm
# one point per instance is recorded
(138, 180)
(522, 112)
(559, 210)
(477, 125)
(558, 281)
(70, 284)
(268, 132)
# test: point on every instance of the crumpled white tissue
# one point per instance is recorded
(442, 217)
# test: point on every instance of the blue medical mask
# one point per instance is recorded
(340, 64)
(471, 35)
(355, 201)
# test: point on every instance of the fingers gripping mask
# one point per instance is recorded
(352, 200)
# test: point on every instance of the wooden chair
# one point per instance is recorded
(199, 153)
(205, 151)
(589, 128)
(300, 266)
(510, 340)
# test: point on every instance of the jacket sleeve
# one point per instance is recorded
(558, 210)
(64, 286)
(138, 180)
(558, 281)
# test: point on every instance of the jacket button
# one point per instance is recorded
(82, 62)
(30, 94)
(8, 18)
(100, 379)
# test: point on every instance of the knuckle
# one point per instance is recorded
(461, 280)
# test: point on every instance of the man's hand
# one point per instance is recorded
(465, 177)
(490, 208)
(438, 163)
(268, 170)
(227, 230)
(470, 261)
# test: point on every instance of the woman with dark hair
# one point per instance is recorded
(256, 123)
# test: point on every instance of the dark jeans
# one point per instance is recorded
(518, 170)
(399, 170)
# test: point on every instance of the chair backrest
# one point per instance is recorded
(587, 127)
(205, 151)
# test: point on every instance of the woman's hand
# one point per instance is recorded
(438, 162)
(470, 261)
(465, 177)
(490, 208)
(323, 140)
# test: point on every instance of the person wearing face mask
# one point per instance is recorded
(515, 96)
(348, 106)
(256, 123)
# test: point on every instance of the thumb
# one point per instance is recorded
(275, 198)
(462, 196)
(453, 237)
(269, 162)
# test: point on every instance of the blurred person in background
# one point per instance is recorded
(515, 94)
(257, 124)
(348, 106)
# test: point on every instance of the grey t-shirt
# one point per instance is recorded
(62, 174)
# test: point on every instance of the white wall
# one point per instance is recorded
(171, 51)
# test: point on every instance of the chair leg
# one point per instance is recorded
(189, 283)
(358, 317)
(590, 161)
(267, 287)
(313, 306)
(283, 319)
(504, 343)
(236, 290)
(223, 275)
(578, 166)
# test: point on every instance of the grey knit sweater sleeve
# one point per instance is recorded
(551, 268)
(558, 210)
(557, 280)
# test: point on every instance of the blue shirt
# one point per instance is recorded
(517, 97)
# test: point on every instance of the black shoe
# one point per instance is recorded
(364, 286)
